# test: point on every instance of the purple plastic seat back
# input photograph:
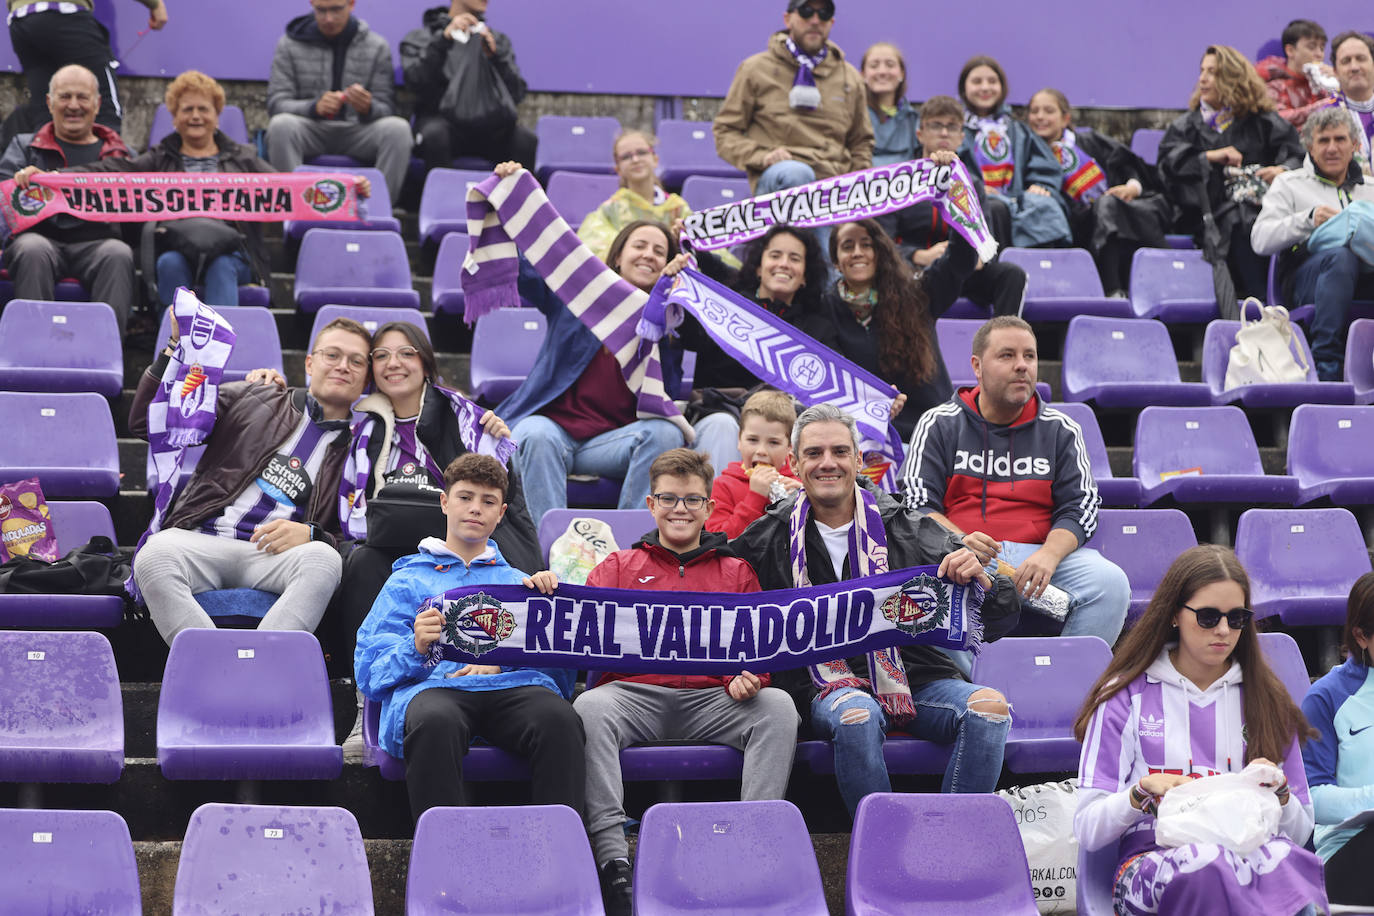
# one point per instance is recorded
(257, 345)
(531, 859)
(575, 194)
(1123, 361)
(1285, 658)
(627, 525)
(703, 193)
(353, 267)
(74, 524)
(60, 346)
(929, 853)
(376, 208)
(575, 144)
(371, 318)
(444, 202)
(956, 346)
(1271, 48)
(78, 521)
(1144, 543)
(1172, 285)
(1215, 440)
(1302, 562)
(63, 715)
(1145, 143)
(67, 441)
(1217, 341)
(689, 148)
(1062, 283)
(1113, 490)
(446, 291)
(1095, 880)
(231, 123)
(1331, 452)
(727, 857)
(1359, 367)
(504, 344)
(68, 862)
(246, 704)
(272, 859)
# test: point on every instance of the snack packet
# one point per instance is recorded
(25, 528)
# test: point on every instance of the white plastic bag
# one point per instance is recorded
(1232, 810)
(1044, 813)
(1264, 350)
(585, 543)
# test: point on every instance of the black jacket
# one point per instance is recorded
(429, 61)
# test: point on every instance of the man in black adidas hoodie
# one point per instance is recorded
(1012, 477)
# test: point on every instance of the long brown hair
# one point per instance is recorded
(899, 94)
(901, 317)
(1238, 84)
(1359, 612)
(1271, 716)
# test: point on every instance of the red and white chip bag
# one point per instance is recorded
(25, 527)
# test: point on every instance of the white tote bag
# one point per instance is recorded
(1044, 814)
(1233, 810)
(1264, 350)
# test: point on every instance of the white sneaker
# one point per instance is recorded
(353, 745)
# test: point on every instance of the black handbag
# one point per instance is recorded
(95, 568)
(402, 514)
(476, 99)
(199, 239)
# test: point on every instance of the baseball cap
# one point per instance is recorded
(827, 5)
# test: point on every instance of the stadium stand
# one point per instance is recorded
(1124, 362)
(1062, 283)
(1173, 286)
(1143, 542)
(575, 144)
(352, 267)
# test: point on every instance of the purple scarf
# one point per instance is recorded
(804, 93)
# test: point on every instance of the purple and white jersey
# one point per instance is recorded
(408, 461)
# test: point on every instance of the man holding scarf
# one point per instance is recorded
(838, 529)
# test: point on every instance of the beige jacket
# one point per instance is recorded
(756, 117)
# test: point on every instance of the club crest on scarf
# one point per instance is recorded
(920, 605)
(325, 195)
(476, 624)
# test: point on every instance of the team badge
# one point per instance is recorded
(325, 195)
(30, 201)
(476, 624)
(920, 605)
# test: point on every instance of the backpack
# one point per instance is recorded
(1264, 351)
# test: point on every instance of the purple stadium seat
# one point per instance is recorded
(1302, 562)
(1216, 352)
(627, 525)
(689, 369)
(67, 441)
(68, 862)
(575, 194)
(1114, 491)
(727, 857)
(955, 336)
(504, 344)
(481, 764)
(689, 148)
(575, 144)
(231, 123)
(1215, 451)
(1271, 48)
(1285, 658)
(446, 289)
(1046, 679)
(1145, 143)
(269, 858)
(60, 346)
(967, 308)
(63, 718)
(444, 203)
(352, 267)
(1173, 286)
(329, 161)
(1143, 542)
(903, 754)
(587, 492)
(1359, 367)
(532, 860)
(376, 209)
(251, 296)
(1331, 452)
(930, 853)
(1124, 362)
(703, 193)
(74, 523)
(1062, 283)
(257, 346)
(1095, 879)
(371, 318)
(246, 704)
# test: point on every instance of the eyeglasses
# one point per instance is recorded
(807, 10)
(1209, 617)
(332, 356)
(670, 501)
(382, 354)
(632, 155)
(944, 127)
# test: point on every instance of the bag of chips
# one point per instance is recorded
(25, 528)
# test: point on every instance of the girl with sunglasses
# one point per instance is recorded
(1188, 695)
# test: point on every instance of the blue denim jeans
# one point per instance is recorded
(1328, 280)
(791, 173)
(942, 716)
(548, 455)
(223, 276)
(1100, 591)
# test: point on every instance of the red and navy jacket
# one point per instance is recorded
(1013, 482)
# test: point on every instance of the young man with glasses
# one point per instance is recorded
(261, 509)
(618, 710)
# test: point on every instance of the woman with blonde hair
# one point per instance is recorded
(641, 196)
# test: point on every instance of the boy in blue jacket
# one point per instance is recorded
(430, 715)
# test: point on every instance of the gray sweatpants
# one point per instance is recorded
(175, 564)
(622, 713)
(385, 143)
(104, 266)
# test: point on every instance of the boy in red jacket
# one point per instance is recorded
(765, 436)
(618, 710)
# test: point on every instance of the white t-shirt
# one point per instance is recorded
(836, 544)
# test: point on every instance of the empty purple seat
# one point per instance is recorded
(504, 344)
(1114, 491)
(67, 441)
(446, 289)
(482, 763)
(74, 523)
(1062, 283)
(375, 209)
(955, 336)
(68, 862)
(575, 194)
(930, 853)
(60, 346)
(1095, 872)
(531, 860)
(231, 123)
(370, 317)
(1124, 362)
(1331, 452)
(689, 148)
(272, 859)
(62, 716)
(1302, 562)
(1216, 353)
(1144, 543)
(627, 525)
(1285, 658)
(727, 857)
(1173, 286)
(1204, 454)
(1145, 143)
(246, 704)
(1359, 367)
(256, 346)
(703, 193)
(352, 267)
(444, 202)
(575, 144)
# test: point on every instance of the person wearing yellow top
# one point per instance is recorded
(640, 195)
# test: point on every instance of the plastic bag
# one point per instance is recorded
(1044, 815)
(1232, 810)
(585, 543)
(25, 528)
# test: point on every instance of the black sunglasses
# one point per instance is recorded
(1209, 617)
(807, 10)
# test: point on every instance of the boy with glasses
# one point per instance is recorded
(618, 710)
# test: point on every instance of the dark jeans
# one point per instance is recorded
(532, 722)
(46, 42)
(1347, 880)
(440, 142)
(1330, 280)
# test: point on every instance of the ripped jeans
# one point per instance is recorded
(856, 725)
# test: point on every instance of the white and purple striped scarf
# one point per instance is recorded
(804, 93)
(867, 557)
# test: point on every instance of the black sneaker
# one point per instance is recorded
(617, 887)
